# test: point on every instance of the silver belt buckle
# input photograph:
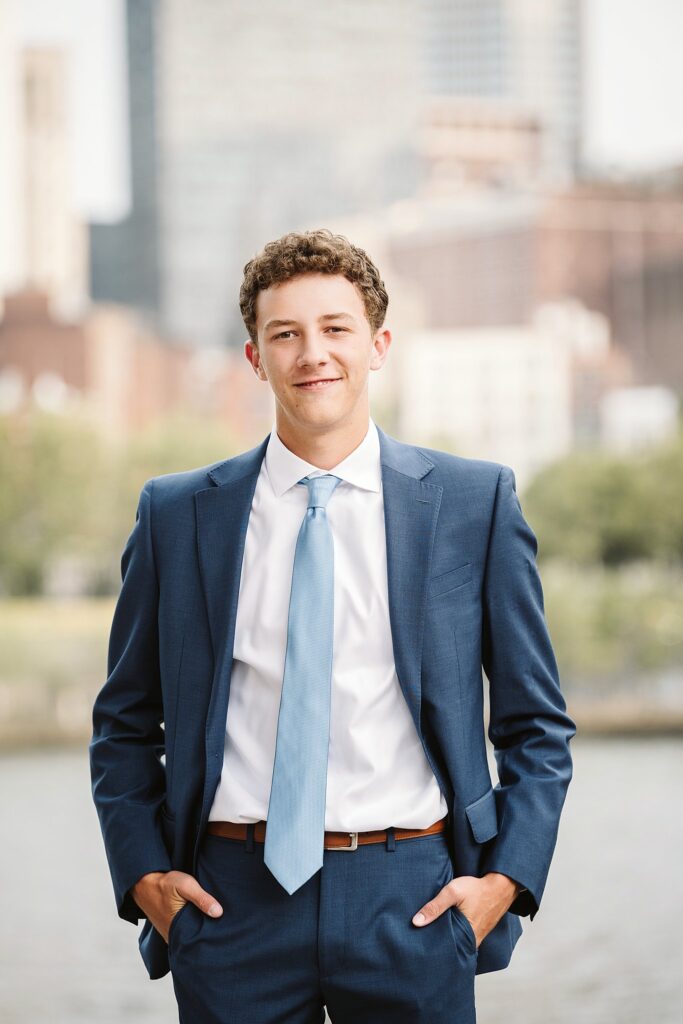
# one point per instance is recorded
(354, 842)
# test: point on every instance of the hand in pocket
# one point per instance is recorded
(163, 894)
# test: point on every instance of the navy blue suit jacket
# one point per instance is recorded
(464, 593)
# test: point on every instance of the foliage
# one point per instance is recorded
(597, 508)
(68, 500)
(69, 497)
(615, 626)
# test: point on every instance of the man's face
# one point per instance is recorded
(314, 327)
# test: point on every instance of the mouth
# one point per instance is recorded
(318, 385)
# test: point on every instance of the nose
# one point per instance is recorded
(313, 349)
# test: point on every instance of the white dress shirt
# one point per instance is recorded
(378, 774)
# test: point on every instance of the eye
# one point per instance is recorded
(283, 333)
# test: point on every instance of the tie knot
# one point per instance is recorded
(320, 489)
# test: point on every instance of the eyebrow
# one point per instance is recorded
(325, 316)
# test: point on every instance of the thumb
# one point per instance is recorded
(435, 908)
(193, 892)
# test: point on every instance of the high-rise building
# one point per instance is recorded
(55, 238)
(248, 121)
(124, 257)
(44, 241)
(12, 252)
(521, 52)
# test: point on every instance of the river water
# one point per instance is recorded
(605, 947)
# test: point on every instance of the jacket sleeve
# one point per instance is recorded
(128, 777)
(528, 725)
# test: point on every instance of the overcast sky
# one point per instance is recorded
(634, 75)
(634, 79)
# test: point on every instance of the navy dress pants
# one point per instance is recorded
(344, 940)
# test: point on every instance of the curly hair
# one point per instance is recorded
(317, 251)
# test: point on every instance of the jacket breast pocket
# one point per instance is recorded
(483, 817)
(450, 580)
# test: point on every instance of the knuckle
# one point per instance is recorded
(431, 909)
(170, 880)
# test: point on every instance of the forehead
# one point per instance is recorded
(309, 296)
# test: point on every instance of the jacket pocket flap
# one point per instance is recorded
(450, 580)
(482, 817)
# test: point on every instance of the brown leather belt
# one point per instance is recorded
(333, 840)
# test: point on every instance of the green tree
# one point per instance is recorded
(66, 493)
(598, 508)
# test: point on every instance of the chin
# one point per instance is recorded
(319, 416)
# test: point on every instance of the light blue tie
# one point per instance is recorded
(295, 826)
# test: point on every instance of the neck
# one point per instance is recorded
(323, 450)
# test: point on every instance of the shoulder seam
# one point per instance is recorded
(493, 516)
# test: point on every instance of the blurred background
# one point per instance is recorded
(515, 169)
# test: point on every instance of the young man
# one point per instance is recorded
(309, 621)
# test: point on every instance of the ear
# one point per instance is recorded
(380, 348)
(253, 357)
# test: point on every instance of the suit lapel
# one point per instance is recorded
(222, 513)
(411, 508)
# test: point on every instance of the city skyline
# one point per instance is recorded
(630, 124)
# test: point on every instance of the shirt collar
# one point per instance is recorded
(361, 467)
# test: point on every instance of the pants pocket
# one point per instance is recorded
(173, 927)
(462, 922)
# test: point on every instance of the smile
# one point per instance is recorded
(318, 385)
